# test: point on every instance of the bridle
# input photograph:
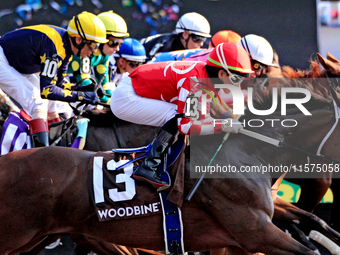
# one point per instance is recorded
(336, 111)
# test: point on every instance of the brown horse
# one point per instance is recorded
(233, 210)
(313, 189)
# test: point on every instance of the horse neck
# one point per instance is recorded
(314, 71)
(240, 150)
(307, 135)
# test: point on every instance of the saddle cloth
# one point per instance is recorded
(15, 134)
(115, 195)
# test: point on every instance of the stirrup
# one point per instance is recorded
(132, 150)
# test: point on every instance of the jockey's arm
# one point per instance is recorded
(50, 90)
(52, 76)
(204, 125)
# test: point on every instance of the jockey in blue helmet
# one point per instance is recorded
(130, 55)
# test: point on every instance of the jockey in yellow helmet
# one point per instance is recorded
(116, 31)
(46, 50)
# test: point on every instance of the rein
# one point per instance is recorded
(282, 144)
(84, 106)
(337, 116)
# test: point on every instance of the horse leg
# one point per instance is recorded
(335, 219)
(296, 233)
(286, 211)
(312, 191)
(271, 240)
(247, 215)
(299, 235)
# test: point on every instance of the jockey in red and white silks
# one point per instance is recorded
(155, 93)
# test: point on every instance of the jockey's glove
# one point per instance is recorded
(101, 92)
(88, 97)
(231, 126)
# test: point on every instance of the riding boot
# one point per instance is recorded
(39, 132)
(147, 171)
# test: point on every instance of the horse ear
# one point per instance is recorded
(329, 65)
(332, 58)
(321, 60)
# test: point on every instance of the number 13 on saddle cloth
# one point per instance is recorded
(115, 195)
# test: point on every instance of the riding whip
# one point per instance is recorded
(198, 182)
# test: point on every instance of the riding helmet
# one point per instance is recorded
(87, 26)
(132, 50)
(115, 25)
(224, 36)
(193, 23)
(258, 48)
(230, 56)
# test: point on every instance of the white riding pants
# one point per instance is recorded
(128, 106)
(24, 88)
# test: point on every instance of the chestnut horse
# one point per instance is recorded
(312, 189)
(44, 191)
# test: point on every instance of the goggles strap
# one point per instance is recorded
(186, 40)
(246, 47)
(184, 28)
(78, 46)
(78, 25)
(82, 35)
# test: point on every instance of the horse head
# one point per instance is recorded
(302, 126)
(332, 70)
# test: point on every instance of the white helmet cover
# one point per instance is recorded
(194, 23)
(258, 48)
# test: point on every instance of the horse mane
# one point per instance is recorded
(315, 71)
(262, 95)
(100, 117)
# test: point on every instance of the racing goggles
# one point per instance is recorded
(93, 45)
(198, 38)
(257, 66)
(133, 64)
(114, 43)
(234, 78)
